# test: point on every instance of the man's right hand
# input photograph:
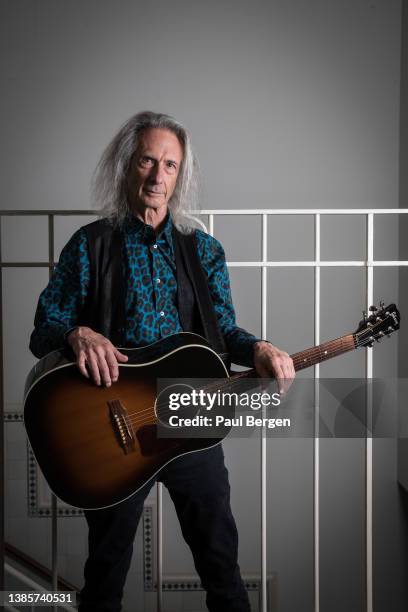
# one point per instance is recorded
(96, 355)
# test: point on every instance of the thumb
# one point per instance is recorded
(120, 356)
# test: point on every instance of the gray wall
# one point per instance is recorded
(290, 104)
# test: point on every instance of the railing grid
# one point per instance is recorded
(369, 264)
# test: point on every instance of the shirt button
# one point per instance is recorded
(161, 313)
(158, 281)
(155, 246)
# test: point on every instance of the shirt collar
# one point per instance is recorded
(146, 232)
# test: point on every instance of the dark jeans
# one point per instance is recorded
(198, 485)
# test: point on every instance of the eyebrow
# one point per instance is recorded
(168, 159)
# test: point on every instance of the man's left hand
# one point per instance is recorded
(270, 362)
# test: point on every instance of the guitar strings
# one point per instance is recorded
(140, 416)
(298, 360)
(152, 420)
(134, 416)
(148, 421)
(340, 350)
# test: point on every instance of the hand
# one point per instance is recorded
(270, 361)
(96, 352)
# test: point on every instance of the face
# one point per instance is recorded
(154, 169)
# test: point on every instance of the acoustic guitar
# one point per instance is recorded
(96, 446)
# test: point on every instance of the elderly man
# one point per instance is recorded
(117, 284)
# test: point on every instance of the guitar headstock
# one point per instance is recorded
(382, 322)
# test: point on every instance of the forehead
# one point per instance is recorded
(161, 142)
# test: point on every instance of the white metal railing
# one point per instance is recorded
(369, 263)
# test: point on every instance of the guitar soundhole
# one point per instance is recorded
(173, 401)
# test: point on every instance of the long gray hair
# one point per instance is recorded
(110, 180)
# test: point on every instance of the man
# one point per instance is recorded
(145, 185)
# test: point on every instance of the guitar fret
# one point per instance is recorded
(303, 359)
(324, 351)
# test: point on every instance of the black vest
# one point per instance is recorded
(105, 307)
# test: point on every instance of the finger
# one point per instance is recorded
(103, 367)
(292, 373)
(81, 364)
(120, 356)
(288, 376)
(93, 366)
(289, 373)
(291, 368)
(280, 378)
(286, 385)
(113, 365)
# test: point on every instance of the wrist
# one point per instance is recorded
(73, 333)
(265, 348)
(261, 345)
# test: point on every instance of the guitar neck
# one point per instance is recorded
(323, 352)
(311, 356)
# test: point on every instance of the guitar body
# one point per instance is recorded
(96, 446)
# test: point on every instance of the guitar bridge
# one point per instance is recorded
(122, 425)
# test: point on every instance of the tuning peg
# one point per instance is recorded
(382, 304)
(373, 309)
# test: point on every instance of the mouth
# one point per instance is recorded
(150, 192)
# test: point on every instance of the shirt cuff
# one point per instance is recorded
(68, 332)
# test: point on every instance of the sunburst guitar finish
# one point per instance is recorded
(96, 446)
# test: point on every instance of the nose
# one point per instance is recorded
(156, 174)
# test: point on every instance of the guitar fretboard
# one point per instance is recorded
(307, 358)
(322, 352)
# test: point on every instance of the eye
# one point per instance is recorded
(171, 165)
(146, 161)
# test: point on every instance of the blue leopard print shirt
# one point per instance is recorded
(151, 300)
